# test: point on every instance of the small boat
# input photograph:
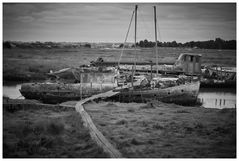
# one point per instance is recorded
(186, 63)
(218, 77)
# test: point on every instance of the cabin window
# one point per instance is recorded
(168, 93)
(191, 58)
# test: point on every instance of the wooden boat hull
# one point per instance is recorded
(214, 83)
(219, 77)
(59, 92)
(185, 94)
(50, 97)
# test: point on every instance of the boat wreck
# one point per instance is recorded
(140, 83)
(90, 81)
(180, 90)
(218, 77)
(187, 63)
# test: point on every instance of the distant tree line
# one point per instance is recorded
(38, 44)
(218, 43)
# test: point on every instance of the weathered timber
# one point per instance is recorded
(94, 132)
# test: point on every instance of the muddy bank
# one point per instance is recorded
(164, 130)
(35, 131)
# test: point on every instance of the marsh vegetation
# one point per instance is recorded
(33, 64)
(46, 133)
(160, 130)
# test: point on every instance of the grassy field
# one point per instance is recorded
(46, 133)
(137, 130)
(33, 64)
(166, 130)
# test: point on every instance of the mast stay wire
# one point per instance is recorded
(158, 31)
(158, 34)
(141, 16)
(126, 38)
(147, 30)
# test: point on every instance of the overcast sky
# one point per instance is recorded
(108, 22)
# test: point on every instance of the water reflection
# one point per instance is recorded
(12, 91)
(218, 98)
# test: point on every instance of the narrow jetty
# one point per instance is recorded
(94, 132)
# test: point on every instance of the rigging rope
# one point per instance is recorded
(159, 34)
(126, 38)
(145, 24)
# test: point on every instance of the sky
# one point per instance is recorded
(108, 22)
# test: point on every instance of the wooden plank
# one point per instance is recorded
(94, 132)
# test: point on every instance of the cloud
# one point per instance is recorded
(109, 21)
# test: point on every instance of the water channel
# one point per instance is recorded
(209, 97)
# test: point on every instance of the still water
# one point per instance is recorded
(217, 98)
(11, 90)
(209, 97)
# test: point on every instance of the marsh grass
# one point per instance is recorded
(122, 122)
(157, 126)
(182, 111)
(25, 64)
(37, 134)
(34, 138)
(131, 110)
(148, 106)
(168, 130)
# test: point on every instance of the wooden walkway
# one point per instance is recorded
(94, 132)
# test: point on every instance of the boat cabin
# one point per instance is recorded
(189, 63)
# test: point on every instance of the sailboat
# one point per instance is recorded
(94, 79)
(180, 89)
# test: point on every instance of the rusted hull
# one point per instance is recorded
(56, 93)
(50, 97)
(183, 94)
(219, 77)
(213, 83)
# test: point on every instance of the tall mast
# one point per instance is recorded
(135, 32)
(156, 49)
